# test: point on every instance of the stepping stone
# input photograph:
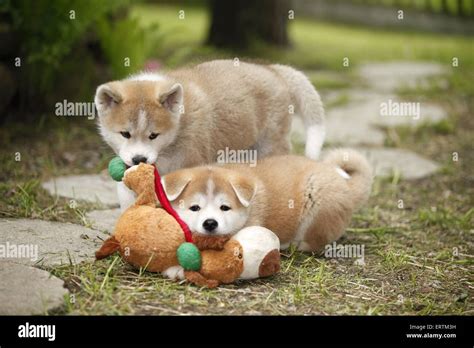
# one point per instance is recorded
(390, 76)
(358, 122)
(351, 124)
(348, 125)
(47, 243)
(90, 188)
(428, 114)
(387, 161)
(103, 220)
(26, 290)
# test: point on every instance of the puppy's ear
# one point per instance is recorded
(174, 184)
(172, 99)
(244, 189)
(106, 96)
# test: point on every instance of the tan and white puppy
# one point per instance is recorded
(183, 118)
(302, 201)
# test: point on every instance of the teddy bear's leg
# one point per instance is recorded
(110, 246)
(199, 280)
(270, 264)
(259, 245)
(126, 196)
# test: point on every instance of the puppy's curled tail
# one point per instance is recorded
(359, 173)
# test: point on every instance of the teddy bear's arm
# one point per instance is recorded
(199, 280)
(204, 242)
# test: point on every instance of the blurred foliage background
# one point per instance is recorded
(61, 49)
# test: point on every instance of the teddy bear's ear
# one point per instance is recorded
(244, 189)
(174, 184)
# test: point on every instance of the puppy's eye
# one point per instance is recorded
(126, 134)
(225, 207)
(153, 136)
(195, 207)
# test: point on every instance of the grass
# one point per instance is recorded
(417, 259)
(395, 267)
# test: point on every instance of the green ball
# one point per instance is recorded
(117, 168)
(189, 257)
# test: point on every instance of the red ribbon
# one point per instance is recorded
(165, 203)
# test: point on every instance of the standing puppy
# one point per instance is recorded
(183, 118)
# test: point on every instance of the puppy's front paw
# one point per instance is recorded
(174, 273)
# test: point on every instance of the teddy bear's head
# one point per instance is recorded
(141, 180)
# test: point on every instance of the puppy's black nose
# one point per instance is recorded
(210, 225)
(139, 159)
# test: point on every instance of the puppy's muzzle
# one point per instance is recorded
(139, 159)
(210, 225)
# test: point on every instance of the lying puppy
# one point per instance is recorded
(184, 118)
(303, 202)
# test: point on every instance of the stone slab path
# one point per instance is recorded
(103, 220)
(390, 76)
(360, 123)
(360, 120)
(24, 243)
(48, 243)
(409, 165)
(90, 188)
(26, 290)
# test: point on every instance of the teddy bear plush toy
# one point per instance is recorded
(150, 235)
